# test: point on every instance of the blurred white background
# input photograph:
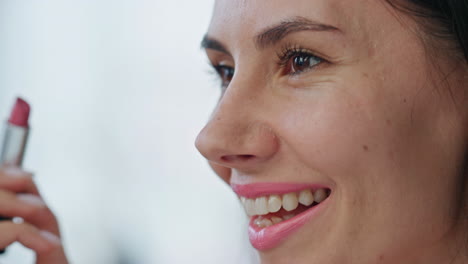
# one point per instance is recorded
(119, 90)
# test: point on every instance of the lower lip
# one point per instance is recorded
(270, 237)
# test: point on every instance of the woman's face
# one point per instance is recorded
(340, 95)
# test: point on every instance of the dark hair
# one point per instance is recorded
(445, 20)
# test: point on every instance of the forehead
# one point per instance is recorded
(241, 19)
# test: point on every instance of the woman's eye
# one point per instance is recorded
(295, 60)
(302, 62)
(225, 73)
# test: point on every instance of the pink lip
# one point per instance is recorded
(261, 189)
(272, 236)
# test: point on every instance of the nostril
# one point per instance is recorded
(237, 158)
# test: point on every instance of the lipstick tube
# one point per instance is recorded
(15, 138)
(14, 145)
(16, 135)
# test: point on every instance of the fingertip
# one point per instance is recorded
(16, 180)
(54, 242)
(50, 237)
(31, 199)
(14, 171)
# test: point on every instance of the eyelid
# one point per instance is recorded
(290, 51)
(216, 57)
(218, 66)
(218, 71)
(219, 60)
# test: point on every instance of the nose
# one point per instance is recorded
(237, 136)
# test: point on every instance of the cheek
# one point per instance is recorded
(379, 147)
(366, 144)
(337, 134)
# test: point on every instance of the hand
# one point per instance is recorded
(39, 231)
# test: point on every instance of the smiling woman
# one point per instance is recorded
(342, 127)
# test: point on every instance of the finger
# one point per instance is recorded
(42, 242)
(16, 180)
(53, 257)
(29, 207)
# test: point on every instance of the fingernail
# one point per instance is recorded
(31, 199)
(15, 172)
(50, 237)
(17, 220)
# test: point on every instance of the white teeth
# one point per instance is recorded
(258, 221)
(320, 195)
(276, 220)
(261, 206)
(266, 223)
(306, 198)
(290, 201)
(263, 222)
(274, 203)
(287, 217)
(249, 206)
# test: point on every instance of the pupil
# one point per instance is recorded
(301, 61)
(226, 74)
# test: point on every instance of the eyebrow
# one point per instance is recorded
(211, 43)
(274, 34)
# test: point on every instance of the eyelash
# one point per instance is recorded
(290, 52)
(287, 54)
(220, 71)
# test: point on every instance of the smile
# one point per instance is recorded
(278, 210)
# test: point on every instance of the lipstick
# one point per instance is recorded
(15, 138)
(16, 135)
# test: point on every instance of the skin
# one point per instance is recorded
(19, 197)
(382, 123)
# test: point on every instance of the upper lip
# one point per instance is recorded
(254, 190)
